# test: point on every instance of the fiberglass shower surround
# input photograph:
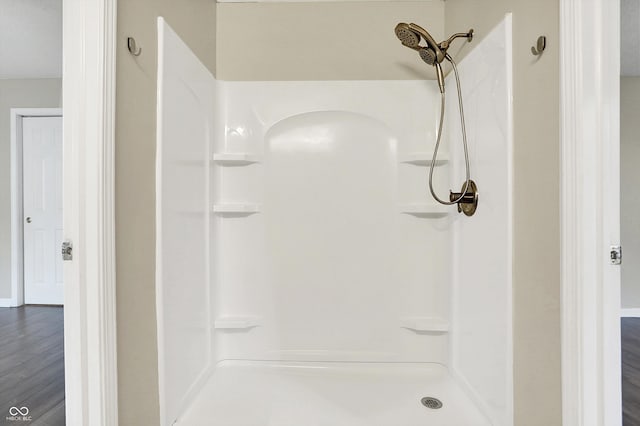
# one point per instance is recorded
(304, 275)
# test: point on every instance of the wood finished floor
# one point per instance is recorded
(630, 371)
(32, 364)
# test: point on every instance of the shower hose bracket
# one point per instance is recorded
(469, 203)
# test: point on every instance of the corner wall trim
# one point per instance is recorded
(89, 64)
(589, 126)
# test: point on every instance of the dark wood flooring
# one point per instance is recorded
(32, 364)
(630, 371)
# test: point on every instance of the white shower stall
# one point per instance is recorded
(304, 274)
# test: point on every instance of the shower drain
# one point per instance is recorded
(433, 403)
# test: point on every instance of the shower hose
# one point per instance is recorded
(439, 137)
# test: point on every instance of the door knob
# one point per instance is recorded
(28, 220)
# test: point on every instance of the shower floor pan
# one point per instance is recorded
(256, 393)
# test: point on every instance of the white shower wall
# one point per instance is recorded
(330, 268)
(186, 93)
(310, 200)
(481, 350)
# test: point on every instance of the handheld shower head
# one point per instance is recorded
(407, 36)
(428, 55)
(433, 53)
(410, 34)
(436, 53)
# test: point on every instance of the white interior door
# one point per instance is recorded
(42, 198)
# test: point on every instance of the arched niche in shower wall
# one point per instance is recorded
(330, 213)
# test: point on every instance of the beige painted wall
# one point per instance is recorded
(322, 41)
(30, 93)
(482, 16)
(536, 299)
(630, 195)
(195, 21)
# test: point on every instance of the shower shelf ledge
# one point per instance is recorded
(236, 208)
(236, 323)
(425, 324)
(236, 159)
(425, 210)
(423, 158)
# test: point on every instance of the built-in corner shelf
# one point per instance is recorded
(426, 210)
(236, 208)
(423, 158)
(236, 159)
(236, 323)
(425, 324)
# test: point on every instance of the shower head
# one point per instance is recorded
(407, 36)
(410, 34)
(433, 53)
(427, 55)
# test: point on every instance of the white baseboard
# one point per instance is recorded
(6, 303)
(630, 312)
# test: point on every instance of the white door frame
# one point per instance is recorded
(590, 204)
(17, 236)
(89, 44)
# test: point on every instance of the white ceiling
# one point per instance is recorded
(630, 38)
(30, 38)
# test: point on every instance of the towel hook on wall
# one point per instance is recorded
(133, 47)
(540, 46)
